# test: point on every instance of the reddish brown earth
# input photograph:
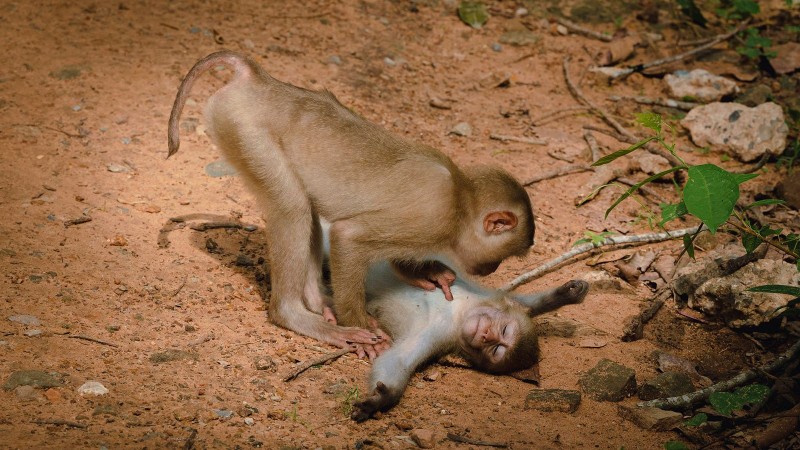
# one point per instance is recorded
(86, 87)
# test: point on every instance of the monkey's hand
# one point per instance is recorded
(427, 275)
(381, 399)
(374, 350)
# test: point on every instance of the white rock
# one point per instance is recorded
(25, 319)
(699, 84)
(745, 133)
(92, 388)
(462, 129)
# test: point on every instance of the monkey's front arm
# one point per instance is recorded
(392, 370)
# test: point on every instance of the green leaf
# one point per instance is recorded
(710, 194)
(777, 289)
(697, 420)
(675, 445)
(690, 9)
(750, 242)
(608, 158)
(670, 212)
(746, 7)
(473, 14)
(688, 244)
(767, 201)
(727, 402)
(640, 184)
(649, 120)
(742, 177)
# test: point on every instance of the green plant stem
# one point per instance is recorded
(768, 240)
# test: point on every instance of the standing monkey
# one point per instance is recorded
(306, 157)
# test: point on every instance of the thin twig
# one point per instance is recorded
(684, 401)
(594, 147)
(563, 170)
(755, 167)
(578, 94)
(617, 72)
(524, 140)
(557, 114)
(465, 440)
(646, 189)
(668, 102)
(634, 329)
(205, 226)
(178, 289)
(622, 138)
(575, 28)
(189, 443)
(67, 423)
(91, 339)
(588, 247)
(77, 221)
(315, 362)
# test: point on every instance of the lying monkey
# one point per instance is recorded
(493, 330)
(306, 157)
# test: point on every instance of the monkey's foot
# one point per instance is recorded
(380, 399)
(573, 291)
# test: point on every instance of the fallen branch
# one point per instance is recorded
(205, 226)
(563, 170)
(620, 137)
(315, 362)
(77, 221)
(575, 28)
(578, 94)
(66, 423)
(685, 401)
(91, 339)
(669, 103)
(779, 429)
(634, 329)
(557, 114)
(594, 147)
(617, 72)
(465, 440)
(524, 140)
(588, 247)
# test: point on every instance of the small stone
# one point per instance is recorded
(152, 209)
(337, 388)
(335, 60)
(25, 319)
(651, 418)
(223, 414)
(433, 375)
(462, 129)
(389, 62)
(223, 363)
(92, 388)
(519, 37)
(106, 409)
(118, 241)
(189, 328)
(787, 57)
(550, 400)
(248, 44)
(496, 47)
(424, 438)
(52, 395)
(700, 85)
(171, 355)
(32, 333)
(35, 378)
(755, 95)
(609, 381)
(667, 384)
(592, 342)
(403, 424)
(117, 168)
(244, 261)
(249, 421)
(562, 30)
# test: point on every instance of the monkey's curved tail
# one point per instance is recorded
(239, 62)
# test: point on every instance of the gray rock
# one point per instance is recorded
(26, 393)
(117, 168)
(609, 381)
(497, 47)
(600, 280)
(223, 413)
(32, 333)
(462, 129)
(25, 319)
(650, 418)
(700, 85)
(745, 133)
(727, 298)
(667, 384)
(265, 363)
(519, 37)
(549, 400)
(335, 60)
(35, 378)
(755, 95)
(220, 168)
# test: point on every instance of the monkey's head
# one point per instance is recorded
(502, 223)
(499, 337)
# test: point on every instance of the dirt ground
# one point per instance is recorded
(85, 91)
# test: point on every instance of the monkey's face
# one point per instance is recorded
(487, 334)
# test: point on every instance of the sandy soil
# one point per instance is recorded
(85, 92)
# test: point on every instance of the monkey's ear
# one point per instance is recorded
(497, 222)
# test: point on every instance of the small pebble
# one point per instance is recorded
(223, 413)
(335, 60)
(389, 62)
(92, 388)
(33, 333)
(25, 319)
(76, 108)
(249, 420)
(497, 47)
(126, 140)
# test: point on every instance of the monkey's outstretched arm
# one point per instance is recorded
(392, 370)
(568, 293)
